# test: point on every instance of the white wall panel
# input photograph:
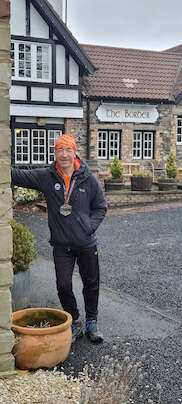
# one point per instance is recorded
(38, 27)
(18, 17)
(46, 111)
(18, 93)
(74, 72)
(39, 94)
(61, 95)
(58, 6)
(60, 64)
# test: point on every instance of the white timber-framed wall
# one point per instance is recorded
(47, 68)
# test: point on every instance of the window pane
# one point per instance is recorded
(102, 146)
(22, 149)
(137, 145)
(52, 136)
(38, 146)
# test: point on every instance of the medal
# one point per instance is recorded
(65, 209)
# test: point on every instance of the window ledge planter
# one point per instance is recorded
(141, 183)
(41, 347)
(113, 184)
(167, 184)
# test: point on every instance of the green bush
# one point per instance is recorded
(24, 247)
(116, 168)
(171, 169)
(23, 195)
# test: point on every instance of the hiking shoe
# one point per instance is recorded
(77, 330)
(92, 333)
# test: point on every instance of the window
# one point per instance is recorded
(38, 146)
(179, 130)
(52, 136)
(22, 146)
(31, 61)
(12, 54)
(143, 145)
(108, 144)
(42, 62)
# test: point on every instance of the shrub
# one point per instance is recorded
(171, 168)
(24, 247)
(142, 173)
(24, 195)
(116, 168)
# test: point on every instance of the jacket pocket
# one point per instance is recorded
(80, 229)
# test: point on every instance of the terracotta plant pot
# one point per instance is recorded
(41, 347)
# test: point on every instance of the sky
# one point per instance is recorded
(140, 24)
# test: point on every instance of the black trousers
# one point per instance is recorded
(88, 264)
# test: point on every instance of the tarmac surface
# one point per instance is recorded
(140, 295)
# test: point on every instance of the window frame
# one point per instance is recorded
(179, 117)
(109, 133)
(48, 143)
(33, 61)
(38, 162)
(22, 162)
(142, 144)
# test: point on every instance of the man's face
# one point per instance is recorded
(65, 157)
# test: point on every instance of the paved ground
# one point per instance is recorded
(141, 294)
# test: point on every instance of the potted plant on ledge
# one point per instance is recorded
(141, 181)
(115, 183)
(24, 251)
(168, 182)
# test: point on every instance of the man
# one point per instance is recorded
(76, 207)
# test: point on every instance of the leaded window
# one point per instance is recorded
(31, 61)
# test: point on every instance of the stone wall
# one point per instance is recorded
(6, 274)
(165, 136)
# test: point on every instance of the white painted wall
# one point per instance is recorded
(39, 94)
(18, 93)
(74, 72)
(60, 64)
(61, 95)
(38, 27)
(18, 17)
(58, 6)
(46, 111)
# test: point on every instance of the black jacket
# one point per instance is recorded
(87, 201)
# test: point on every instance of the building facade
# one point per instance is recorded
(47, 69)
(132, 108)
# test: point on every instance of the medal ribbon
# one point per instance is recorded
(68, 194)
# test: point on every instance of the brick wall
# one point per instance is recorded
(6, 274)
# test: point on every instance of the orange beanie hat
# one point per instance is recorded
(65, 140)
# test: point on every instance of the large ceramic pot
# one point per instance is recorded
(140, 183)
(167, 184)
(113, 184)
(41, 347)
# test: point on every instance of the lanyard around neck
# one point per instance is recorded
(68, 194)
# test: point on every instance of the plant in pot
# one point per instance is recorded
(42, 335)
(141, 180)
(24, 251)
(168, 182)
(115, 183)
